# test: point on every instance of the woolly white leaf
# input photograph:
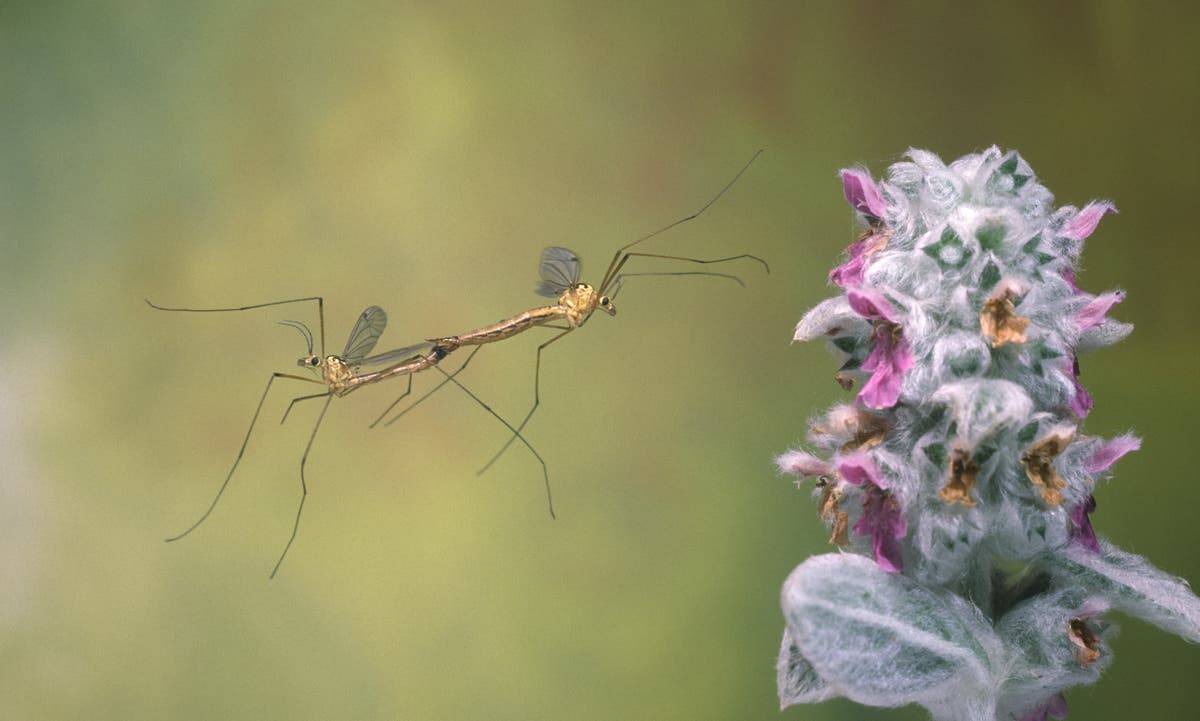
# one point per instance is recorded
(881, 639)
(1130, 584)
(960, 355)
(1043, 659)
(1021, 529)
(1108, 332)
(831, 317)
(914, 275)
(984, 406)
(797, 681)
(947, 542)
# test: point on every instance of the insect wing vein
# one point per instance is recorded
(397, 355)
(365, 335)
(559, 270)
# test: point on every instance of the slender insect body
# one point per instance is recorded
(559, 270)
(504, 328)
(577, 302)
(415, 364)
(340, 374)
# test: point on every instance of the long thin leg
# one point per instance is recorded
(302, 398)
(241, 451)
(418, 401)
(537, 374)
(612, 271)
(320, 310)
(619, 281)
(516, 434)
(393, 403)
(303, 486)
(617, 265)
(700, 260)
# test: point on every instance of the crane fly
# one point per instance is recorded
(559, 270)
(341, 375)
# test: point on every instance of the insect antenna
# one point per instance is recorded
(614, 266)
(304, 331)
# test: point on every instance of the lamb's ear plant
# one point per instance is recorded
(959, 482)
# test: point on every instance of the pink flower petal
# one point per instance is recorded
(889, 359)
(859, 469)
(882, 519)
(1055, 708)
(1069, 276)
(885, 524)
(871, 304)
(1058, 707)
(1083, 224)
(851, 272)
(862, 193)
(887, 551)
(1097, 307)
(1110, 452)
(1080, 531)
(1081, 402)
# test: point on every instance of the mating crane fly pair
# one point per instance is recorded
(346, 373)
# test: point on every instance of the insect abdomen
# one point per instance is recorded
(503, 329)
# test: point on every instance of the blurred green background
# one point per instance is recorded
(420, 156)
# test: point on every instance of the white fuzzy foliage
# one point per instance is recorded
(831, 317)
(983, 407)
(1109, 332)
(960, 317)
(898, 642)
(1043, 661)
(1129, 583)
(798, 681)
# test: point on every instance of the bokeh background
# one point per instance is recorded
(419, 156)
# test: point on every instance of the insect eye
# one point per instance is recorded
(315, 361)
(604, 300)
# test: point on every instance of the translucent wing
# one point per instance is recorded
(395, 356)
(559, 271)
(366, 333)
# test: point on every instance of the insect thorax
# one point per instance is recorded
(579, 300)
(336, 370)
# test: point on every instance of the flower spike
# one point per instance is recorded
(958, 484)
